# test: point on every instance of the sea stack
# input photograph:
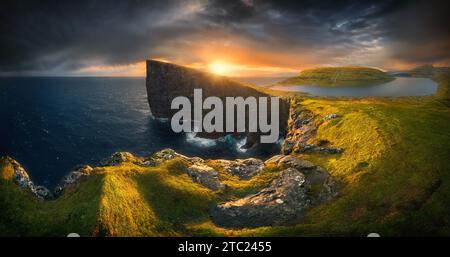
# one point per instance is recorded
(165, 81)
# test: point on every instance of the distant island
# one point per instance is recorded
(339, 77)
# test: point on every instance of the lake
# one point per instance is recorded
(401, 86)
(51, 125)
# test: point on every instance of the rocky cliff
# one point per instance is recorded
(165, 81)
(160, 195)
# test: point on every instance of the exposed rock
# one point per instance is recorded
(328, 191)
(288, 161)
(300, 185)
(332, 116)
(74, 176)
(288, 146)
(308, 148)
(165, 81)
(284, 201)
(118, 158)
(41, 192)
(302, 126)
(243, 168)
(206, 176)
(315, 175)
(168, 154)
(22, 179)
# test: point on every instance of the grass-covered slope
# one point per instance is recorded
(22, 214)
(394, 168)
(394, 175)
(339, 76)
(123, 200)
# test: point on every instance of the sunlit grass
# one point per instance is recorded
(394, 176)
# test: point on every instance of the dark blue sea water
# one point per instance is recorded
(51, 125)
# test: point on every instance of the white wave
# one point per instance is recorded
(240, 143)
(203, 142)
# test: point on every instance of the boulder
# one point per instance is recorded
(205, 176)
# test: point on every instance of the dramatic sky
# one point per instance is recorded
(236, 38)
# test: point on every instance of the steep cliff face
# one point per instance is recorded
(165, 81)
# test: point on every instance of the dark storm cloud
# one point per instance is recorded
(420, 33)
(64, 36)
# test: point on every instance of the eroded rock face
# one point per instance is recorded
(243, 168)
(22, 179)
(300, 185)
(78, 174)
(286, 200)
(165, 81)
(205, 175)
(302, 126)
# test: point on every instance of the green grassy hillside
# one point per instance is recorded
(339, 76)
(394, 176)
(123, 200)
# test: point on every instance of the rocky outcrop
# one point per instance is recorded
(243, 168)
(286, 200)
(77, 174)
(168, 154)
(316, 175)
(117, 158)
(299, 186)
(290, 161)
(165, 81)
(205, 176)
(302, 126)
(22, 179)
(196, 169)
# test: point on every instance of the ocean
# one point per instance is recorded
(52, 124)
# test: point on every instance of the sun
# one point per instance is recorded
(221, 68)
